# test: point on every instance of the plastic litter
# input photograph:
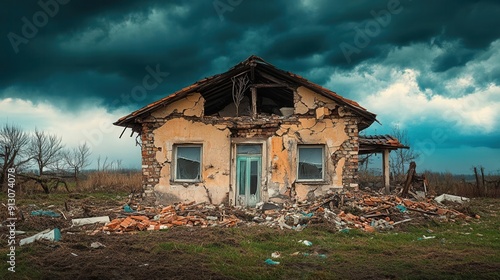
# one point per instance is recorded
(271, 262)
(45, 213)
(316, 254)
(426, 237)
(306, 242)
(52, 235)
(299, 227)
(97, 245)
(344, 230)
(128, 209)
(276, 255)
(307, 215)
(401, 208)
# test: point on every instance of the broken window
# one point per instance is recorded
(249, 149)
(310, 163)
(188, 163)
(270, 101)
(267, 101)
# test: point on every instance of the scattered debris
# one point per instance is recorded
(45, 213)
(97, 245)
(271, 262)
(306, 242)
(128, 209)
(171, 216)
(426, 237)
(316, 254)
(401, 208)
(367, 211)
(88, 221)
(52, 235)
(276, 255)
(452, 198)
(402, 221)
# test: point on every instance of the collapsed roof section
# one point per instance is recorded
(275, 84)
(370, 144)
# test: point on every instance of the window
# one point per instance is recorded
(188, 163)
(248, 149)
(311, 163)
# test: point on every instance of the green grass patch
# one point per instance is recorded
(460, 249)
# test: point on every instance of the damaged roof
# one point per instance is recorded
(216, 90)
(369, 144)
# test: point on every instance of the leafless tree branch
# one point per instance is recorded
(240, 85)
(13, 141)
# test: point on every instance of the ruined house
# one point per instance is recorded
(254, 133)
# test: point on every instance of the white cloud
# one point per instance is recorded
(403, 101)
(416, 95)
(93, 125)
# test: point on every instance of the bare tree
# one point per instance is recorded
(105, 166)
(13, 141)
(240, 85)
(46, 151)
(77, 159)
(364, 161)
(400, 158)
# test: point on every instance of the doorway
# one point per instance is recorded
(248, 174)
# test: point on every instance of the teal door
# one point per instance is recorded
(248, 175)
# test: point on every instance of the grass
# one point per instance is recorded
(355, 254)
(460, 249)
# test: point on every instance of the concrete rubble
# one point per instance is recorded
(369, 212)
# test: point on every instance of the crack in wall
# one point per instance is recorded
(194, 107)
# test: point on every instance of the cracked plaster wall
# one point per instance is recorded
(215, 161)
(192, 106)
(283, 155)
(319, 120)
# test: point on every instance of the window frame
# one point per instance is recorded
(323, 162)
(174, 169)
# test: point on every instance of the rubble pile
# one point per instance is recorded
(349, 210)
(189, 214)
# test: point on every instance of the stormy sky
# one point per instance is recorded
(430, 67)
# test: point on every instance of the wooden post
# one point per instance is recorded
(409, 178)
(385, 170)
(483, 183)
(478, 182)
(254, 102)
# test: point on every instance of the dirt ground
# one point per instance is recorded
(137, 255)
(125, 257)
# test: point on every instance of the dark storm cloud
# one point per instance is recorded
(189, 38)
